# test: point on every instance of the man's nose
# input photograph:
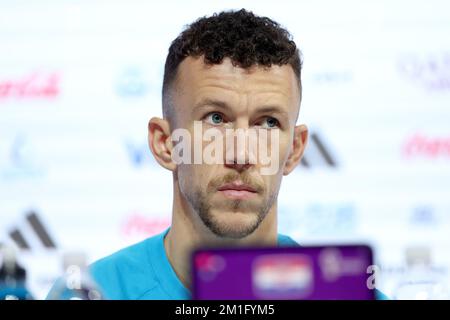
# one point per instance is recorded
(240, 150)
(236, 166)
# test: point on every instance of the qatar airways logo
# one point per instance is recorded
(33, 85)
(420, 145)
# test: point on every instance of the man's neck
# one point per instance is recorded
(188, 233)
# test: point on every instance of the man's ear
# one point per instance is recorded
(160, 142)
(298, 147)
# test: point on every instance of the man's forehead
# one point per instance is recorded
(195, 75)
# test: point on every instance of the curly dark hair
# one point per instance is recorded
(242, 36)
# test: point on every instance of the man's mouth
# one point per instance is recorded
(237, 190)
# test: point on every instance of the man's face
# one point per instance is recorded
(232, 199)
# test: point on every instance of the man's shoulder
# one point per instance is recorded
(127, 273)
(126, 256)
(284, 241)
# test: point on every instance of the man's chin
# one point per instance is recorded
(234, 225)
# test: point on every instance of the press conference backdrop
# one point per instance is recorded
(79, 81)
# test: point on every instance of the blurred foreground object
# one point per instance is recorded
(421, 281)
(12, 277)
(76, 284)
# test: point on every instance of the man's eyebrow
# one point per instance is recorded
(213, 103)
(272, 109)
(269, 109)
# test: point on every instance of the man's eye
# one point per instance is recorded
(214, 118)
(270, 122)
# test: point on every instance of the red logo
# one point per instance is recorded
(34, 85)
(142, 226)
(430, 147)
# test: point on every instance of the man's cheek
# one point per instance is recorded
(269, 153)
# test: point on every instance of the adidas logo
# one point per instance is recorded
(32, 234)
(317, 154)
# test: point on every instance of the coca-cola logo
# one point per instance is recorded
(140, 225)
(420, 145)
(33, 85)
